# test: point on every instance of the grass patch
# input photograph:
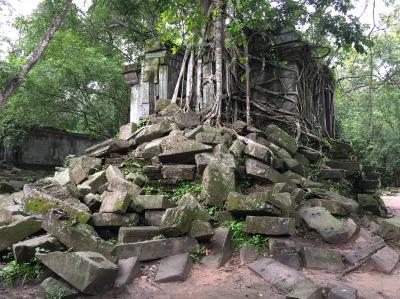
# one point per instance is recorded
(198, 254)
(20, 273)
(240, 238)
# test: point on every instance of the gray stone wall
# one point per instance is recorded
(47, 147)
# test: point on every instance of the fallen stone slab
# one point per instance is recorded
(385, 260)
(218, 182)
(390, 229)
(221, 248)
(122, 185)
(114, 220)
(281, 138)
(151, 202)
(156, 249)
(126, 131)
(333, 207)
(342, 291)
(305, 290)
(332, 173)
(258, 151)
(153, 217)
(113, 171)
(154, 131)
(80, 168)
(331, 229)
(178, 171)
(372, 203)
(364, 250)
(137, 179)
(263, 172)
(213, 138)
(107, 147)
(237, 148)
(350, 205)
(184, 153)
(272, 226)
(54, 288)
(186, 119)
(248, 253)
(89, 272)
(78, 236)
(279, 275)
(174, 268)
(285, 251)
(322, 258)
(201, 230)
(11, 213)
(256, 202)
(114, 202)
(137, 233)
(62, 177)
(93, 183)
(42, 196)
(128, 269)
(18, 231)
(24, 251)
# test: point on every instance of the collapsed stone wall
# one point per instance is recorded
(127, 189)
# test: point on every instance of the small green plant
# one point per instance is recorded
(246, 183)
(131, 166)
(143, 121)
(198, 254)
(112, 242)
(211, 211)
(20, 273)
(151, 190)
(158, 237)
(7, 256)
(67, 160)
(239, 238)
(342, 187)
(186, 187)
(236, 229)
(53, 292)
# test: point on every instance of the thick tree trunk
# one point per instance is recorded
(189, 81)
(247, 67)
(11, 88)
(219, 43)
(182, 71)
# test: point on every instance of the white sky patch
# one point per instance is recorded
(22, 8)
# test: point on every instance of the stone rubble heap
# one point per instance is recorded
(71, 213)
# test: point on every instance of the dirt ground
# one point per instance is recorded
(234, 281)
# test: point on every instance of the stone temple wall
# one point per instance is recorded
(46, 147)
(289, 88)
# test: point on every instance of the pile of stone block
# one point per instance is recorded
(74, 213)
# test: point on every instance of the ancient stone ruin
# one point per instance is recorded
(170, 188)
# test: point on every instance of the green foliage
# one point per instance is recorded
(239, 238)
(131, 166)
(185, 187)
(342, 187)
(112, 242)
(151, 190)
(158, 237)
(143, 121)
(368, 98)
(7, 256)
(53, 292)
(198, 254)
(246, 183)
(67, 160)
(20, 273)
